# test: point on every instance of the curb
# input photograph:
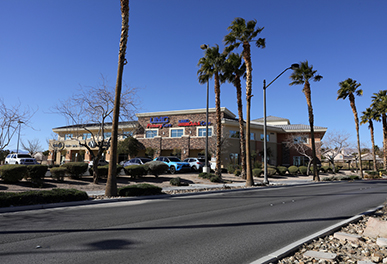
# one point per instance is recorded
(285, 251)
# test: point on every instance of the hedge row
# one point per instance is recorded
(41, 197)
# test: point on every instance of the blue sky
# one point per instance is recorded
(49, 48)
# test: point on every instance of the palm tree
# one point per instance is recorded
(211, 65)
(368, 115)
(379, 104)
(242, 32)
(111, 183)
(233, 70)
(301, 76)
(349, 88)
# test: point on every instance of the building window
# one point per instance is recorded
(150, 133)
(86, 136)
(177, 132)
(234, 134)
(252, 136)
(68, 136)
(107, 134)
(300, 139)
(267, 137)
(300, 161)
(202, 132)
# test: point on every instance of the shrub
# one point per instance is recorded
(231, 168)
(384, 172)
(177, 182)
(257, 165)
(139, 190)
(75, 169)
(372, 175)
(257, 172)
(41, 197)
(156, 167)
(326, 169)
(210, 176)
(271, 171)
(136, 171)
(293, 170)
(58, 173)
(119, 169)
(36, 173)
(237, 172)
(13, 173)
(282, 170)
(338, 168)
(303, 170)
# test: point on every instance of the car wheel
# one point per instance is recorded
(194, 168)
(172, 169)
(16, 162)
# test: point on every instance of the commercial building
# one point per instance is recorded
(183, 133)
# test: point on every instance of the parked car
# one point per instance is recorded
(196, 163)
(137, 161)
(175, 164)
(18, 158)
(100, 163)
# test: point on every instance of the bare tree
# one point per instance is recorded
(298, 142)
(10, 120)
(333, 144)
(91, 110)
(32, 146)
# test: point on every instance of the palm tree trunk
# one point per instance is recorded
(353, 106)
(308, 95)
(111, 184)
(241, 126)
(218, 124)
(371, 126)
(247, 59)
(384, 122)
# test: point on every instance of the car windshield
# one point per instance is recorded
(174, 159)
(24, 156)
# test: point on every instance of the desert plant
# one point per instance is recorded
(177, 182)
(139, 190)
(136, 171)
(36, 173)
(257, 165)
(303, 170)
(282, 170)
(156, 167)
(75, 169)
(58, 173)
(293, 170)
(257, 172)
(210, 176)
(13, 173)
(237, 172)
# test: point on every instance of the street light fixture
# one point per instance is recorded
(292, 67)
(205, 168)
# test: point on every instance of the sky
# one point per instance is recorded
(49, 49)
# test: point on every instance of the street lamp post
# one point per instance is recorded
(293, 67)
(205, 167)
(18, 137)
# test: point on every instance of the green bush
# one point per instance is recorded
(237, 172)
(271, 171)
(177, 182)
(338, 168)
(75, 169)
(326, 169)
(282, 170)
(210, 176)
(156, 167)
(384, 172)
(36, 173)
(136, 171)
(303, 170)
(139, 190)
(293, 170)
(257, 172)
(58, 173)
(231, 168)
(372, 175)
(257, 165)
(119, 169)
(13, 173)
(41, 197)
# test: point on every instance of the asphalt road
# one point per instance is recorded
(228, 227)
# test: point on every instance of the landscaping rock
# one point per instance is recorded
(375, 228)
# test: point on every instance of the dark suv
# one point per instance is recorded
(175, 164)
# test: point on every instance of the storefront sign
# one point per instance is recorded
(159, 122)
(186, 122)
